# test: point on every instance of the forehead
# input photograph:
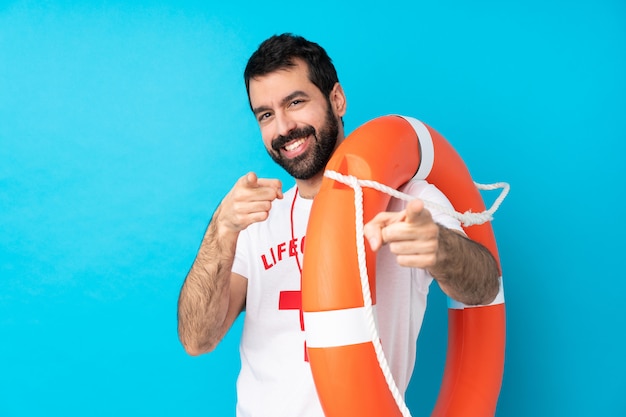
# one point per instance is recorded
(275, 86)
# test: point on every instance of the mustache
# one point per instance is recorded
(298, 133)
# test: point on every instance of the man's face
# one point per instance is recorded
(299, 126)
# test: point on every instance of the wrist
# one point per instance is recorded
(221, 231)
(443, 263)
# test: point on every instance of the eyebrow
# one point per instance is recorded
(283, 102)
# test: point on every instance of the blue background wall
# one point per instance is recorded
(122, 126)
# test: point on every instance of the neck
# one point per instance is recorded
(309, 188)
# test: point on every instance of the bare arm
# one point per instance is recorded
(464, 269)
(212, 296)
(205, 299)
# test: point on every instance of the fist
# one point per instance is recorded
(249, 201)
(411, 234)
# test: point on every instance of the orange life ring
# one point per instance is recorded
(347, 375)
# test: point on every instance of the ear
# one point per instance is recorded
(338, 100)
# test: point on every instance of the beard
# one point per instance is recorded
(315, 158)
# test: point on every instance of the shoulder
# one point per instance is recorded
(419, 189)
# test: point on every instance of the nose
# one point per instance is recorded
(284, 124)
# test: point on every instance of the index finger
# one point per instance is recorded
(272, 183)
(249, 180)
(373, 230)
(416, 213)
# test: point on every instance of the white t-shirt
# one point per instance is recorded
(275, 379)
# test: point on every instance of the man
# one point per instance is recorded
(251, 255)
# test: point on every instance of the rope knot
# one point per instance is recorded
(467, 219)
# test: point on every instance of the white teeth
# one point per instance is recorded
(294, 145)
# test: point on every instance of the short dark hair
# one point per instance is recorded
(281, 51)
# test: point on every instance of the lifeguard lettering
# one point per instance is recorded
(282, 251)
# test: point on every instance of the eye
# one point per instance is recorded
(264, 116)
(296, 102)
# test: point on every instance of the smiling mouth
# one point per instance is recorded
(294, 140)
(292, 146)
